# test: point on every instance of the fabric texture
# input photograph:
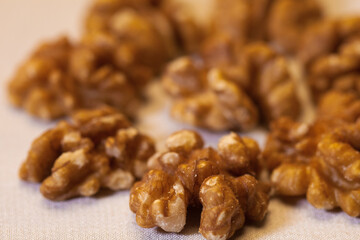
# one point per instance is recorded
(25, 214)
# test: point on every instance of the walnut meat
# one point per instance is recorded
(41, 85)
(181, 177)
(227, 201)
(288, 20)
(279, 21)
(316, 160)
(60, 77)
(344, 106)
(99, 149)
(331, 179)
(229, 92)
(125, 21)
(330, 52)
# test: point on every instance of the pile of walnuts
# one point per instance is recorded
(228, 73)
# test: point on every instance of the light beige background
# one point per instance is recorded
(25, 214)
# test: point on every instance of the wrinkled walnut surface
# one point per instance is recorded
(316, 160)
(183, 175)
(99, 149)
(279, 21)
(60, 77)
(228, 88)
(330, 51)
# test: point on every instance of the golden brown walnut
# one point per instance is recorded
(320, 160)
(179, 173)
(330, 53)
(344, 106)
(111, 65)
(227, 201)
(188, 32)
(331, 179)
(279, 21)
(60, 77)
(99, 149)
(290, 141)
(41, 85)
(289, 20)
(125, 21)
(227, 89)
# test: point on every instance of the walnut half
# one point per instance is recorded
(99, 149)
(187, 174)
(320, 161)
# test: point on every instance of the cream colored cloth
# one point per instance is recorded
(25, 214)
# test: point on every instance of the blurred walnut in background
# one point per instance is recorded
(141, 33)
(330, 51)
(99, 149)
(60, 77)
(281, 22)
(230, 87)
(187, 174)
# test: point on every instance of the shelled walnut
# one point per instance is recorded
(279, 21)
(227, 201)
(111, 65)
(98, 149)
(123, 22)
(227, 89)
(330, 51)
(41, 85)
(289, 20)
(316, 160)
(331, 178)
(60, 77)
(344, 106)
(183, 175)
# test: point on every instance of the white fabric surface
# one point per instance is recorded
(25, 214)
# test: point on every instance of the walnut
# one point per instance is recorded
(289, 19)
(318, 159)
(331, 178)
(280, 21)
(99, 149)
(330, 52)
(188, 32)
(60, 77)
(226, 201)
(125, 21)
(110, 65)
(179, 173)
(290, 141)
(41, 85)
(222, 93)
(344, 106)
